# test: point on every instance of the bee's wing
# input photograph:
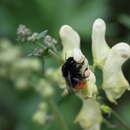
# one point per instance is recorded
(69, 85)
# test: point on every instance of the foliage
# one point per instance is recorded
(17, 107)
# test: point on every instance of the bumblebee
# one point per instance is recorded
(71, 71)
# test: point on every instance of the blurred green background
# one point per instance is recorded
(17, 107)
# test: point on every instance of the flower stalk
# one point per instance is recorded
(118, 118)
(57, 114)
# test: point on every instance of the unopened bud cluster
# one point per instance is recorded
(23, 32)
(42, 41)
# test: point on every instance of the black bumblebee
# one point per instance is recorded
(71, 71)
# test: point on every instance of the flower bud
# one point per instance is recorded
(33, 37)
(106, 109)
(23, 30)
(49, 41)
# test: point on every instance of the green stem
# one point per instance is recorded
(120, 120)
(56, 56)
(52, 53)
(40, 45)
(109, 124)
(57, 114)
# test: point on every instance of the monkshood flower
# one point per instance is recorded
(100, 49)
(114, 82)
(89, 116)
(71, 49)
(110, 60)
(70, 40)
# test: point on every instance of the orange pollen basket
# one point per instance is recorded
(80, 85)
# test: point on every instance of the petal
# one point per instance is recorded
(114, 82)
(100, 49)
(90, 116)
(70, 40)
(91, 89)
(121, 52)
(78, 55)
(71, 48)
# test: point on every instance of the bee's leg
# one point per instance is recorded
(77, 80)
(69, 80)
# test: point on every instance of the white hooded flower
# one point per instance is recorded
(110, 60)
(114, 82)
(100, 49)
(70, 40)
(71, 48)
(90, 117)
(91, 89)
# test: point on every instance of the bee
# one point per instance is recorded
(71, 71)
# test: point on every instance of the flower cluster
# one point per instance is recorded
(71, 48)
(43, 42)
(109, 60)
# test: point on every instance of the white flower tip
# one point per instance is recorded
(123, 49)
(99, 24)
(69, 35)
(65, 29)
(78, 56)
